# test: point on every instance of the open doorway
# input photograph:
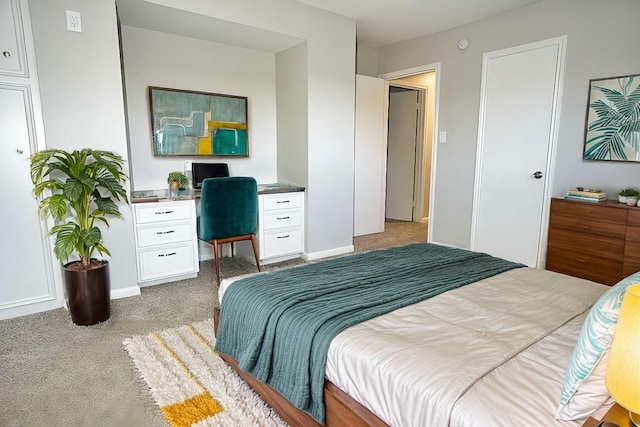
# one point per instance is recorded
(403, 139)
(370, 172)
(411, 112)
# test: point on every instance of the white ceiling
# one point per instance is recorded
(383, 22)
(379, 23)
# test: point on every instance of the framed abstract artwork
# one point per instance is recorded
(190, 123)
(612, 128)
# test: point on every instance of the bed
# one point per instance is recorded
(491, 351)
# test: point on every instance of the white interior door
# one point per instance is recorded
(370, 156)
(517, 128)
(27, 281)
(401, 154)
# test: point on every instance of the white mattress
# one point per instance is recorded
(488, 354)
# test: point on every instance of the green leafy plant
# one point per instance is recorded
(617, 124)
(178, 177)
(627, 192)
(84, 187)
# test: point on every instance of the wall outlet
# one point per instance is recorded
(74, 22)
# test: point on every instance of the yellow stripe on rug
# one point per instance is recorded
(191, 411)
(191, 384)
(196, 408)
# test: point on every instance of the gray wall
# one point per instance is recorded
(153, 58)
(602, 41)
(81, 90)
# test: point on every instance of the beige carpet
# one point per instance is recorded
(57, 374)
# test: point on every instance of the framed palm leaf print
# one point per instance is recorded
(612, 129)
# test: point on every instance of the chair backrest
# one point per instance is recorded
(202, 171)
(228, 207)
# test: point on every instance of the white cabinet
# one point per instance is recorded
(28, 268)
(280, 226)
(12, 46)
(166, 241)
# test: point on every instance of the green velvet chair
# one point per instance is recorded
(228, 213)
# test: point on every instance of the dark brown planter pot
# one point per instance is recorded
(89, 293)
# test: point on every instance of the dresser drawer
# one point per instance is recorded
(633, 217)
(588, 244)
(282, 201)
(280, 219)
(163, 233)
(602, 228)
(278, 243)
(578, 264)
(628, 268)
(633, 234)
(588, 211)
(166, 261)
(156, 212)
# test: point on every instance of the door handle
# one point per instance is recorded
(537, 174)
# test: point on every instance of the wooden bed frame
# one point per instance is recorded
(341, 409)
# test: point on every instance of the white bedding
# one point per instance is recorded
(487, 354)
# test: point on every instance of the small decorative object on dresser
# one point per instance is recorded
(628, 192)
(176, 180)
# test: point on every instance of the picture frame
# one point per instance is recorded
(193, 123)
(612, 125)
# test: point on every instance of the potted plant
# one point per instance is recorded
(628, 192)
(80, 189)
(177, 180)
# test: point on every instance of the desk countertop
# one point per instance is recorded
(163, 195)
(278, 188)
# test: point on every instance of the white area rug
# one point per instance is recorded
(191, 384)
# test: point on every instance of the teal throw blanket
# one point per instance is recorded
(278, 326)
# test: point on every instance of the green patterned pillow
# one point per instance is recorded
(594, 340)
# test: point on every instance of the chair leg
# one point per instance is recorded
(217, 260)
(254, 243)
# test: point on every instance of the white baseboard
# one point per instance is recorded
(328, 253)
(130, 291)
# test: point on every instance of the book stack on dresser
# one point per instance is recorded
(586, 195)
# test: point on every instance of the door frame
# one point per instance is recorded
(552, 143)
(435, 68)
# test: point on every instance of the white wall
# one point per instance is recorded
(82, 103)
(153, 58)
(602, 41)
(293, 138)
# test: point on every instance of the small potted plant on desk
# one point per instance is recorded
(177, 180)
(80, 188)
(629, 196)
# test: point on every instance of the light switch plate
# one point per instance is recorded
(443, 136)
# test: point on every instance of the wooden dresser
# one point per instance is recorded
(594, 241)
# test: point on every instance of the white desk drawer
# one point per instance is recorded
(280, 219)
(283, 242)
(157, 212)
(282, 201)
(171, 260)
(160, 234)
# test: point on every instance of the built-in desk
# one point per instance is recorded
(166, 241)
(167, 246)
